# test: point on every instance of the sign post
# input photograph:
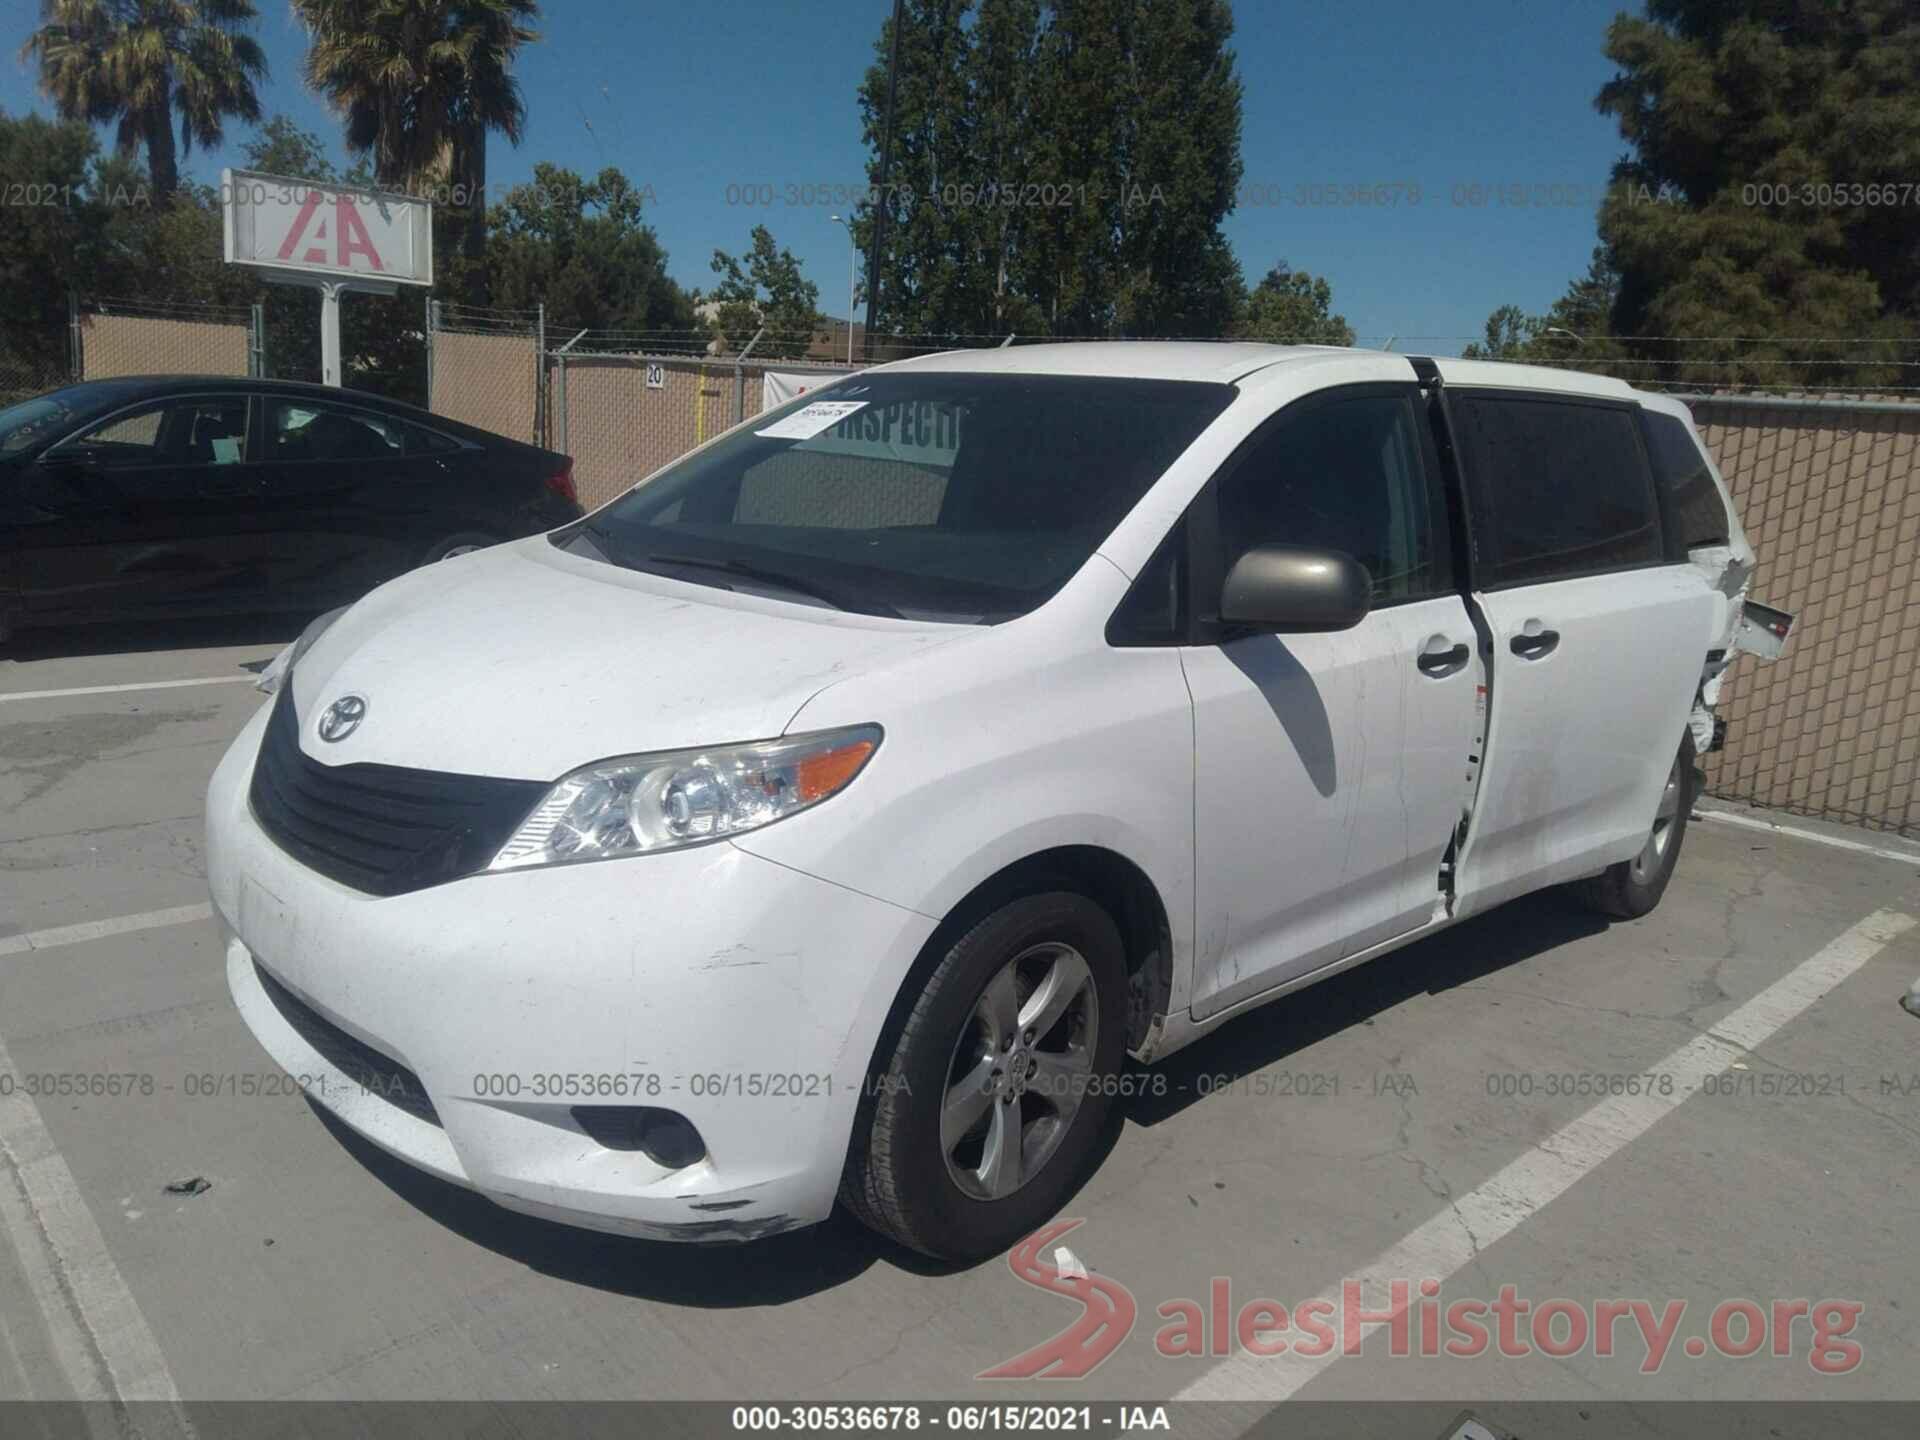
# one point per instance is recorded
(333, 238)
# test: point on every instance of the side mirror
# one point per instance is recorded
(1288, 590)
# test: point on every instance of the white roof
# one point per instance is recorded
(1216, 360)
(1229, 360)
(1508, 376)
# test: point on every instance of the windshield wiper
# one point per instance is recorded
(798, 584)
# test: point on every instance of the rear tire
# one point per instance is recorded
(1017, 1037)
(464, 543)
(1633, 887)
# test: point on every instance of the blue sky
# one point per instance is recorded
(690, 100)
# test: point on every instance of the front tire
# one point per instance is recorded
(988, 1110)
(1632, 888)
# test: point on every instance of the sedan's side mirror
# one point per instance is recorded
(1291, 591)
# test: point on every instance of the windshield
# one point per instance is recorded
(33, 423)
(947, 496)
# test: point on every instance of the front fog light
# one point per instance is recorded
(643, 803)
(665, 1137)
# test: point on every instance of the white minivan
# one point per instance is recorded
(833, 814)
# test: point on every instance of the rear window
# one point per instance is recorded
(1694, 508)
(940, 495)
(1559, 488)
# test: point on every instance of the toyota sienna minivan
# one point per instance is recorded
(834, 814)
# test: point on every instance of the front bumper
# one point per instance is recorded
(744, 995)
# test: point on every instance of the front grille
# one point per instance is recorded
(365, 1066)
(383, 829)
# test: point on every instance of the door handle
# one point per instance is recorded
(1440, 663)
(1534, 646)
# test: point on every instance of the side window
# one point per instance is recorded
(1559, 488)
(1680, 470)
(210, 430)
(309, 430)
(1346, 474)
(1154, 611)
(418, 440)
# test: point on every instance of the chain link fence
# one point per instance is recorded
(37, 357)
(1828, 489)
(136, 337)
(24, 376)
(623, 412)
(488, 368)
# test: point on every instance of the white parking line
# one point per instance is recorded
(99, 929)
(132, 685)
(1768, 827)
(1499, 1206)
(70, 1270)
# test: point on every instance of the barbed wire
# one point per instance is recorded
(167, 309)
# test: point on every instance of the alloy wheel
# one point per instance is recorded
(1020, 1070)
(1647, 863)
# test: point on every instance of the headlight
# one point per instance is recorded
(282, 664)
(642, 803)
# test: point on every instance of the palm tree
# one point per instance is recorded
(420, 83)
(138, 63)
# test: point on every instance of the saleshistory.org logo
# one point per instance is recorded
(1416, 1321)
(342, 718)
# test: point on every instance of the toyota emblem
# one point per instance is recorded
(342, 718)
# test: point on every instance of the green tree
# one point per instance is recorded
(926, 283)
(765, 287)
(39, 247)
(142, 65)
(1510, 331)
(1057, 168)
(420, 83)
(1766, 137)
(1001, 76)
(1181, 169)
(1291, 307)
(1576, 331)
(281, 147)
(1084, 103)
(582, 248)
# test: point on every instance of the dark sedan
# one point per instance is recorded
(190, 495)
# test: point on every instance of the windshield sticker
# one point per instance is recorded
(809, 421)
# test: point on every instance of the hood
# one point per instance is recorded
(524, 662)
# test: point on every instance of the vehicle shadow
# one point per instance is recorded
(270, 632)
(1265, 1036)
(784, 1268)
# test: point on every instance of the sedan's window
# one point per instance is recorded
(945, 495)
(1559, 488)
(131, 437)
(315, 430)
(208, 430)
(305, 431)
(1347, 475)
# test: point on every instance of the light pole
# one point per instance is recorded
(853, 270)
(1562, 330)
